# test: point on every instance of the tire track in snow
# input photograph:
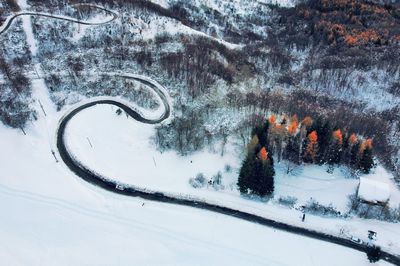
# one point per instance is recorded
(154, 228)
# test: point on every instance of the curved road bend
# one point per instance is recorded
(112, 186)
(8, 22)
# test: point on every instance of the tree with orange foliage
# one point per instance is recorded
(313, 136)
(368, 144)
(292, 129)
(293, 126)
(366, 157)
(291, 147)
(311, 151)
(337, 136)
(272, 119)
(307, 122)
(263, 154)
(335, 149)
(353, 139)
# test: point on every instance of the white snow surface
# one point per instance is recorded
(373, 191)
(382, 176)
(53, 217)
(121, 148)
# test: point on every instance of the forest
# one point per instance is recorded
(311, 141)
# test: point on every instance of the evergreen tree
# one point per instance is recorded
(262, 133)
(346, 150)
(291, 151)
(256, 174)
(323, 129)
(366, 161)
(373, 253)
(336, 148)
(265, 178)
(354, 155)
(246, 174)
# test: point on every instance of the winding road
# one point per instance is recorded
(129, 190)
(8, 22)
(113, 186)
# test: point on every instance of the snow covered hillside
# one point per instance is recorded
(115, 145)
(52, 216)
(197, 77)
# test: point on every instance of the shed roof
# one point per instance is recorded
(373, 191)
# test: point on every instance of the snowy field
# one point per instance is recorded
(115, 145)
(52, 217)
(121, 148)
(104, 229)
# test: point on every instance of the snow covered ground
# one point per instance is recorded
(52, 217)
(113, 230)
(121, 148)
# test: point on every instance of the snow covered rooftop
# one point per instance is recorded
(373, 191)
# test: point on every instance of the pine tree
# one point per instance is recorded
(366, 160)
(291, 152)
(266, 178)
(262, 133)
(354, 154)
(323, 129)
(305, 125)
(336, 148)
(256, 174)
(373, 253)
(246, 174)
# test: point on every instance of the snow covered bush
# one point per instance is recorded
(199, 181)
(228, 168)
(216, 181)
(315, 207)
(288, 201)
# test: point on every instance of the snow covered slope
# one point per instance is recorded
(121, 148)
(52, 217)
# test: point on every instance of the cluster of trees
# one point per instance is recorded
(13, 5)
(306, 141)
(318, 141)
(15, 93)
(355, 22)
(199, 65)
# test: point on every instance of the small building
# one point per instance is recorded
(373, 191)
